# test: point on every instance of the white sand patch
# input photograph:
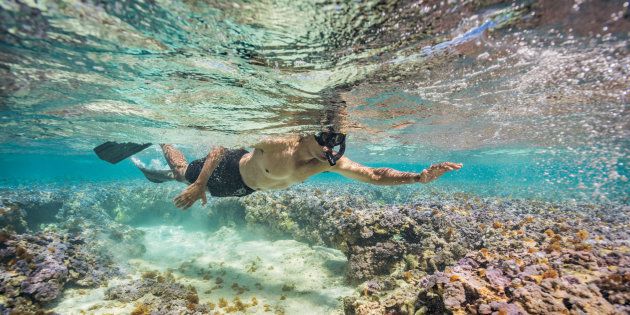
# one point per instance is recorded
(285, 275)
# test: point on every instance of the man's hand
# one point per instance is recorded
(190, 195)
(437, 170)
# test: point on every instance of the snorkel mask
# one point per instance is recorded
(330, 140)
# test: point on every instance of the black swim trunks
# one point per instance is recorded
(226, 180)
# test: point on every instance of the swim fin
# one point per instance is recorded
(114, 152)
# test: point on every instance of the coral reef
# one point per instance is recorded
(538, 264)
(409, 251)
(158, 293)
(25, 210)
(12, 217)
(67, 238)
(100, 213)
(376, 237)
(34, 268)
(131, 204)
(460, 253)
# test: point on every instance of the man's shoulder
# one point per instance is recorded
(269, 142)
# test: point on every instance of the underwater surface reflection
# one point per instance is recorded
(410, 81)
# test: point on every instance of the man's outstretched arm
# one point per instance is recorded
(389, 176)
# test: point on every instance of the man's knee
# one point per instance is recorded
(167, 147)
(217, 151)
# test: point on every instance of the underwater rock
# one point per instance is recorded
(93, 212)
(530, 258)
(368, 261)
(226, 212)
(417, 253)
(461, 254)
(12, 217)
(36, 267)
(376, 237)
(131, 203)
(159, 294)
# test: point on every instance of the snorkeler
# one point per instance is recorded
(273, 164)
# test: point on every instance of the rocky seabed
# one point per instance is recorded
(409, 251)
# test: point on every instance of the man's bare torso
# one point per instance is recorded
(277, 164)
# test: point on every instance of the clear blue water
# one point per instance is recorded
(522, 176)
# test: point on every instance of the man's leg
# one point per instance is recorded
(156, 176)
(176, 161)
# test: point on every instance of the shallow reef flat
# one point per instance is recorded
(229, 270)
(350, 249)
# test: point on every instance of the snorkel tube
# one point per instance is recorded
(330, 140)
(333, 158)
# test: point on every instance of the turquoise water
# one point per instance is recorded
(531, 96)
(521, 174)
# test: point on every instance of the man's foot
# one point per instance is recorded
(156, 176)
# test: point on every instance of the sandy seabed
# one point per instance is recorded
(283, 275)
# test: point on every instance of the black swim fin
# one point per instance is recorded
(114, 152)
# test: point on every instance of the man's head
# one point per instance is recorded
(328, 140)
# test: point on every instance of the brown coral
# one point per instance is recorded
(141, 309)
